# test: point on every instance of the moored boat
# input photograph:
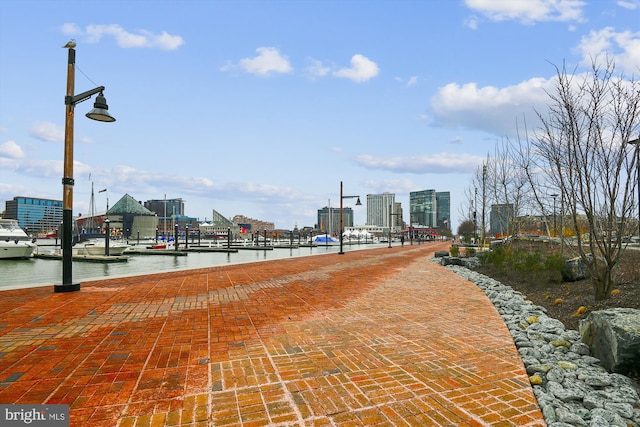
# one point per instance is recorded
(14, 242)
(98, 247)
(325, 239)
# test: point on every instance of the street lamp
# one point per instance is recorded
(554, 212)
(107, 236)
(100, 112)
(636, 142)
(391, 215)
(341, 227)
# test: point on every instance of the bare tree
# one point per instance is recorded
(507, 186)
(582, 151)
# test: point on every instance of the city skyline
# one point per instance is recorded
(263, 108)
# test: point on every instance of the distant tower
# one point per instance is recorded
(378, 208)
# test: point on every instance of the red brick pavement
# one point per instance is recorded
(380, 337)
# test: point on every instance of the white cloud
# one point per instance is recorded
(268, 61)
(472, 22)
(316, 68)
(408, 83)
(527, 11)
(623, 48)
(362, 69)
(47, 131)
(434, 163)
(628, 5)
(398, 186)
(491, 109)
(11, 150)
(124, 38)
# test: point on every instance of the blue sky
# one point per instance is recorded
(261, 108)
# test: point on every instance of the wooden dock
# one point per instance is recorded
(145, 251)
(85, 258)
(210, 249)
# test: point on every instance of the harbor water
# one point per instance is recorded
(33, 272)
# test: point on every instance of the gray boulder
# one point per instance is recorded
(451, 260)
(575, 269)
(613, 335)
(440, 254)
(471, 263)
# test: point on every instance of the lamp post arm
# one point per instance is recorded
(76, 99)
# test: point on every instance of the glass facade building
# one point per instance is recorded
(443, 209)
(329, 219)
(422, 206)
(430, 208)
(35, 216)
(170, 207)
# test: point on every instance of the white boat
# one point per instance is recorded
(325, 239)
(97, 247)
(14, 242)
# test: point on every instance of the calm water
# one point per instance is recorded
(42, 272)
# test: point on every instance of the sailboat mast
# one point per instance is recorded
(91, 226)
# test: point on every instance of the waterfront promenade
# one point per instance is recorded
(378, 337)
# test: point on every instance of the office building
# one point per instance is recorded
(34, 215)
(329, 219)
(443, 209)
(378, 208)
(166, 207)
(423, 208)
(500, 219)
(430, 208)
(253, 225)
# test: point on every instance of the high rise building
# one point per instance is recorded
(378, 208)
(423, 208)
(443, 209)
(34, 215)
(397, 223)
(329, 219)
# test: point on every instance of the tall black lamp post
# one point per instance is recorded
(107, 236)
(554, 195)
(341, 226)
(391, 215)
(636, 142)
(100, 112)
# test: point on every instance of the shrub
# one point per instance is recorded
(454, 250)
(533, 265)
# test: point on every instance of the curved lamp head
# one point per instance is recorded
(358, 202)
(100, 110)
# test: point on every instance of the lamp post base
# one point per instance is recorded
(71, 287)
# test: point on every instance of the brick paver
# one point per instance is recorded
(381, 337)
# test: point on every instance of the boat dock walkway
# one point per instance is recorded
(85, 258)
(376, 337)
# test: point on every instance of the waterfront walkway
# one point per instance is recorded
(378, 337)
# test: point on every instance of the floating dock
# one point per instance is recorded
(145, 251)
(85, 258)
(210, 249)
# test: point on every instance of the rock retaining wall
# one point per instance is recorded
(571, 386)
